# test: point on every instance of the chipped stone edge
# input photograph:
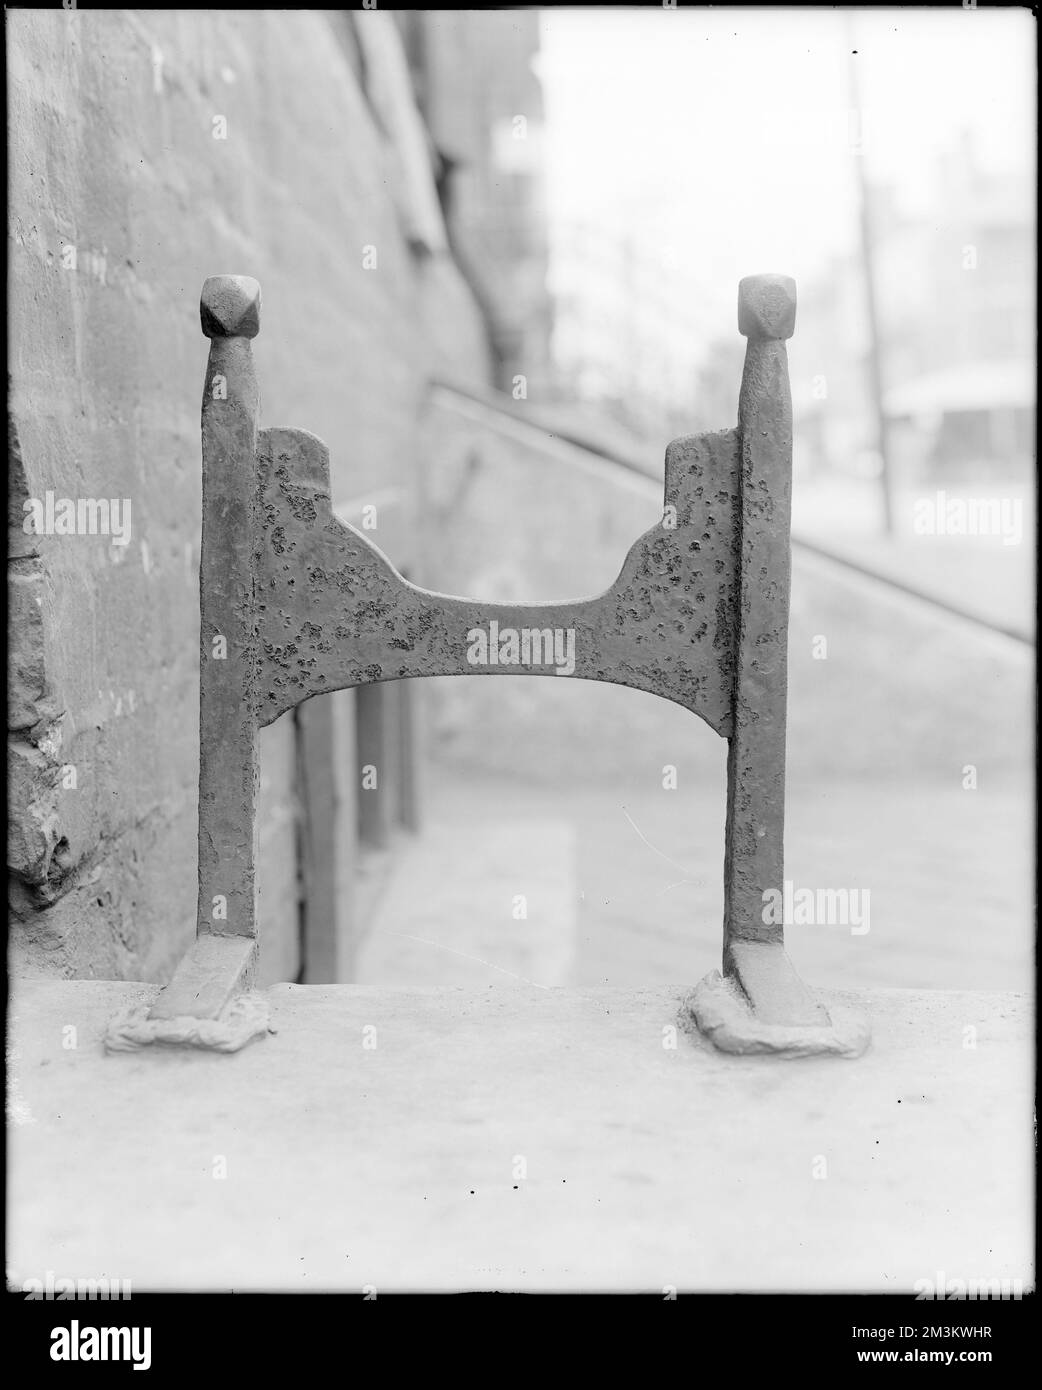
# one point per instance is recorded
(723, 1016)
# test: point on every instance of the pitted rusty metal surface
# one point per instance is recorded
(228, 768)
(332, 611)
(698, 615)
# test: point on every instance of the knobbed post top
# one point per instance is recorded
(229, 307)
(767, 307)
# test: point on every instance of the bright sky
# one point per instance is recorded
(722, 137)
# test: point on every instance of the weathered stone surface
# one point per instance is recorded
(395, 1165)
(33, 835)
(104, 404)
(26, 676)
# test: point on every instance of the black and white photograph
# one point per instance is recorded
(681, 356)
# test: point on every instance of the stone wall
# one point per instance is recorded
(149, 150)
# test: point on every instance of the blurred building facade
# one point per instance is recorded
(955, 294)
(476, 86)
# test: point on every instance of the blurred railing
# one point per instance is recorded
(498, 412)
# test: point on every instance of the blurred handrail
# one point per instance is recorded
(1014, 634)
(547, 434)
(530, 418)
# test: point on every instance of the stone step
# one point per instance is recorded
(514, 1138)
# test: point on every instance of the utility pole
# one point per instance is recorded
(868, 268)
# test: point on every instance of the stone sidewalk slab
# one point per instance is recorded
(507, 1138)
(502, 912)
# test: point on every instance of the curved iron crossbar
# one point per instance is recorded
(332, 611)
(294, 603)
